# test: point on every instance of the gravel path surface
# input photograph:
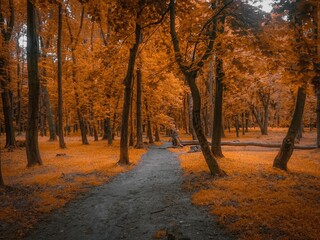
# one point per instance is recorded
(135, 205)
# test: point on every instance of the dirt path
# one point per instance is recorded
(135, 205)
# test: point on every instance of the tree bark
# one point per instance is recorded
(32, 147)
(6, 33)
(191, 129)
(8, 119)
(139, 143)
(157, 135)
(217, 120)
(149, 128)
(242, 122)
(236, 120)
(1, 178)
(124, 151)
(60, 96)
(247, 121)
(318, 116)
(191, 75)
(287, 146)
(196, 119)
(52, 131)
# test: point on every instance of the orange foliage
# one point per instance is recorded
(41, 189)
(256, 201)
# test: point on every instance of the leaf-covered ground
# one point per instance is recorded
(256, 201)
(33, 192)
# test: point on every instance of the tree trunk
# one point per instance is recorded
(157, 135)
(60, 97)
(32, 148)
(242, 123)
(149, 129)
(95, 133)
(191, 129)
(8, 119)
(318, 117)
(42, 114)
(265, 101)
(139, 143)
(211, 97)
(19, 108)
(131, 138)
(52, 132)
(217, 120)
(287, 146)
(6, 27)
(124, 152)
(247, 121)
(237, 125)
(196, 119)
(260, 122)
(1, 178)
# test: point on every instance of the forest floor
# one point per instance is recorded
(66, 174)
(156, 200)
(255, 200)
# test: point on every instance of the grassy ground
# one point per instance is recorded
(33, 192)
(256, 201)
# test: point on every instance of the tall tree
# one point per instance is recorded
(124, 153)
(287, 146)
(6, 27)
(74, 40)
(190, 72)
(32, 147)
(139, 143)
(1, 178)
(60, 97)
(219, 76)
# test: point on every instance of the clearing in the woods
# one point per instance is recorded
(156, 199)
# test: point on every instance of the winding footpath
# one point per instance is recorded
(135, 205)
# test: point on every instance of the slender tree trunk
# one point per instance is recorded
(237, 125)
(149, 128)
(157, 135)
(287, 146)
(196, 119)
(265, 101)
(139, 143)
(42, 113)
(19, 108)
(259, 121)
(247, 121)
(217, 120)
(124, 152)
(82, 122)
(318, 116)
(113, 130)
(191, 76)
(8, 119)
(60, 96)
(131, 139)
(191, 129)
(242, 123)
(211, 97)
(316, 80)
(1, 178)
(32, 147)
(185, 112)
(6, 27)
(52, 131)
(95, 133)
